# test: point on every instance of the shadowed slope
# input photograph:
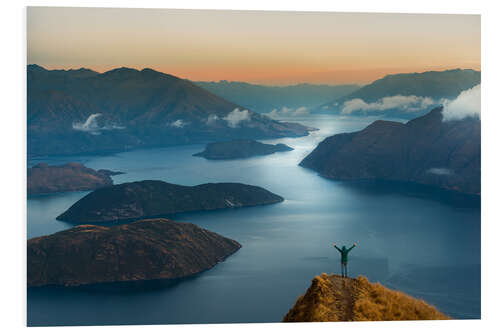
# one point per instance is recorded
(425, 150)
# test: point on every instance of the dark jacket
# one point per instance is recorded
(344, 252)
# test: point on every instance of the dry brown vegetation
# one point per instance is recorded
(333, 298)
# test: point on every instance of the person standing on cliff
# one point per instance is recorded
(344, 257)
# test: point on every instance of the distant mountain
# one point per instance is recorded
(151, 198)
(266, 98)
(240, 149)
(43, 178)
(81, 111)
(142, 250)
(386, 96)
(333, 298)
(425, 150)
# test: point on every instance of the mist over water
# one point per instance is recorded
(423, 241)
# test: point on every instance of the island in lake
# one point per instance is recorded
(333, 298)
(427, 150)
(152, 198)
(68, 177)
(142, 250)
(240, 149)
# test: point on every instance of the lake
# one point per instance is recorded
(416, 239)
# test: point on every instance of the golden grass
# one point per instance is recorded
(333, 298)
(376, 302)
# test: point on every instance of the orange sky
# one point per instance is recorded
(253, 46)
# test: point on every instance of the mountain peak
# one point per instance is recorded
(333, 298)
(121, 70)
(35, 67)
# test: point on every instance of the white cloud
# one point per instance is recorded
(440, 171)
(212, 119)
(285, 111)
(301, 111)
(467, 104)
(235, 117)
(405, 103)
(179, 123)
(91, 125)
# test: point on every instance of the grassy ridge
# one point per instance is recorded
(333, 298)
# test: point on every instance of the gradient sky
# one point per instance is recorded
(253, 46)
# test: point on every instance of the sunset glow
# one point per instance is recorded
(253, 46)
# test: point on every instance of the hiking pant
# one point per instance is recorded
(343, 267)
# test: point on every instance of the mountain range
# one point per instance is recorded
(406, 95)
(82, 111)
(264, 99)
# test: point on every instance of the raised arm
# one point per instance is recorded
(335, 246)
(352, 247)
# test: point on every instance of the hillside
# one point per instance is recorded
(333, 298)
(264, 99)
(406, 95)
(82, 111)
(142, 250)
(240, 149)
(151, 198)
(425, 150)
(43, 178)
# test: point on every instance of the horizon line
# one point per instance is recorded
(67, 69)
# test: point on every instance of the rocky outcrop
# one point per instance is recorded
(43, 178)
(152, 198)
(142, 250)
(240, 149)
(425, 150)
(333, 298)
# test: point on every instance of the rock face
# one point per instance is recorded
(82, 111)
(142, 250)
(333, 298)
(43, 178)
(240, 149)
(425, 150)
(151, 198)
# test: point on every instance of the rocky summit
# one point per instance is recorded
(333, 298)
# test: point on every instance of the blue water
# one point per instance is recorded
(416, 239)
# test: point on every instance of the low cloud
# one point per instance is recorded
(405, 103)
(440, 171)
(92, 126)
(212, 119)
(179, 123)
(301, 111)
(285, 111)
(467, 104)
(236, 117)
